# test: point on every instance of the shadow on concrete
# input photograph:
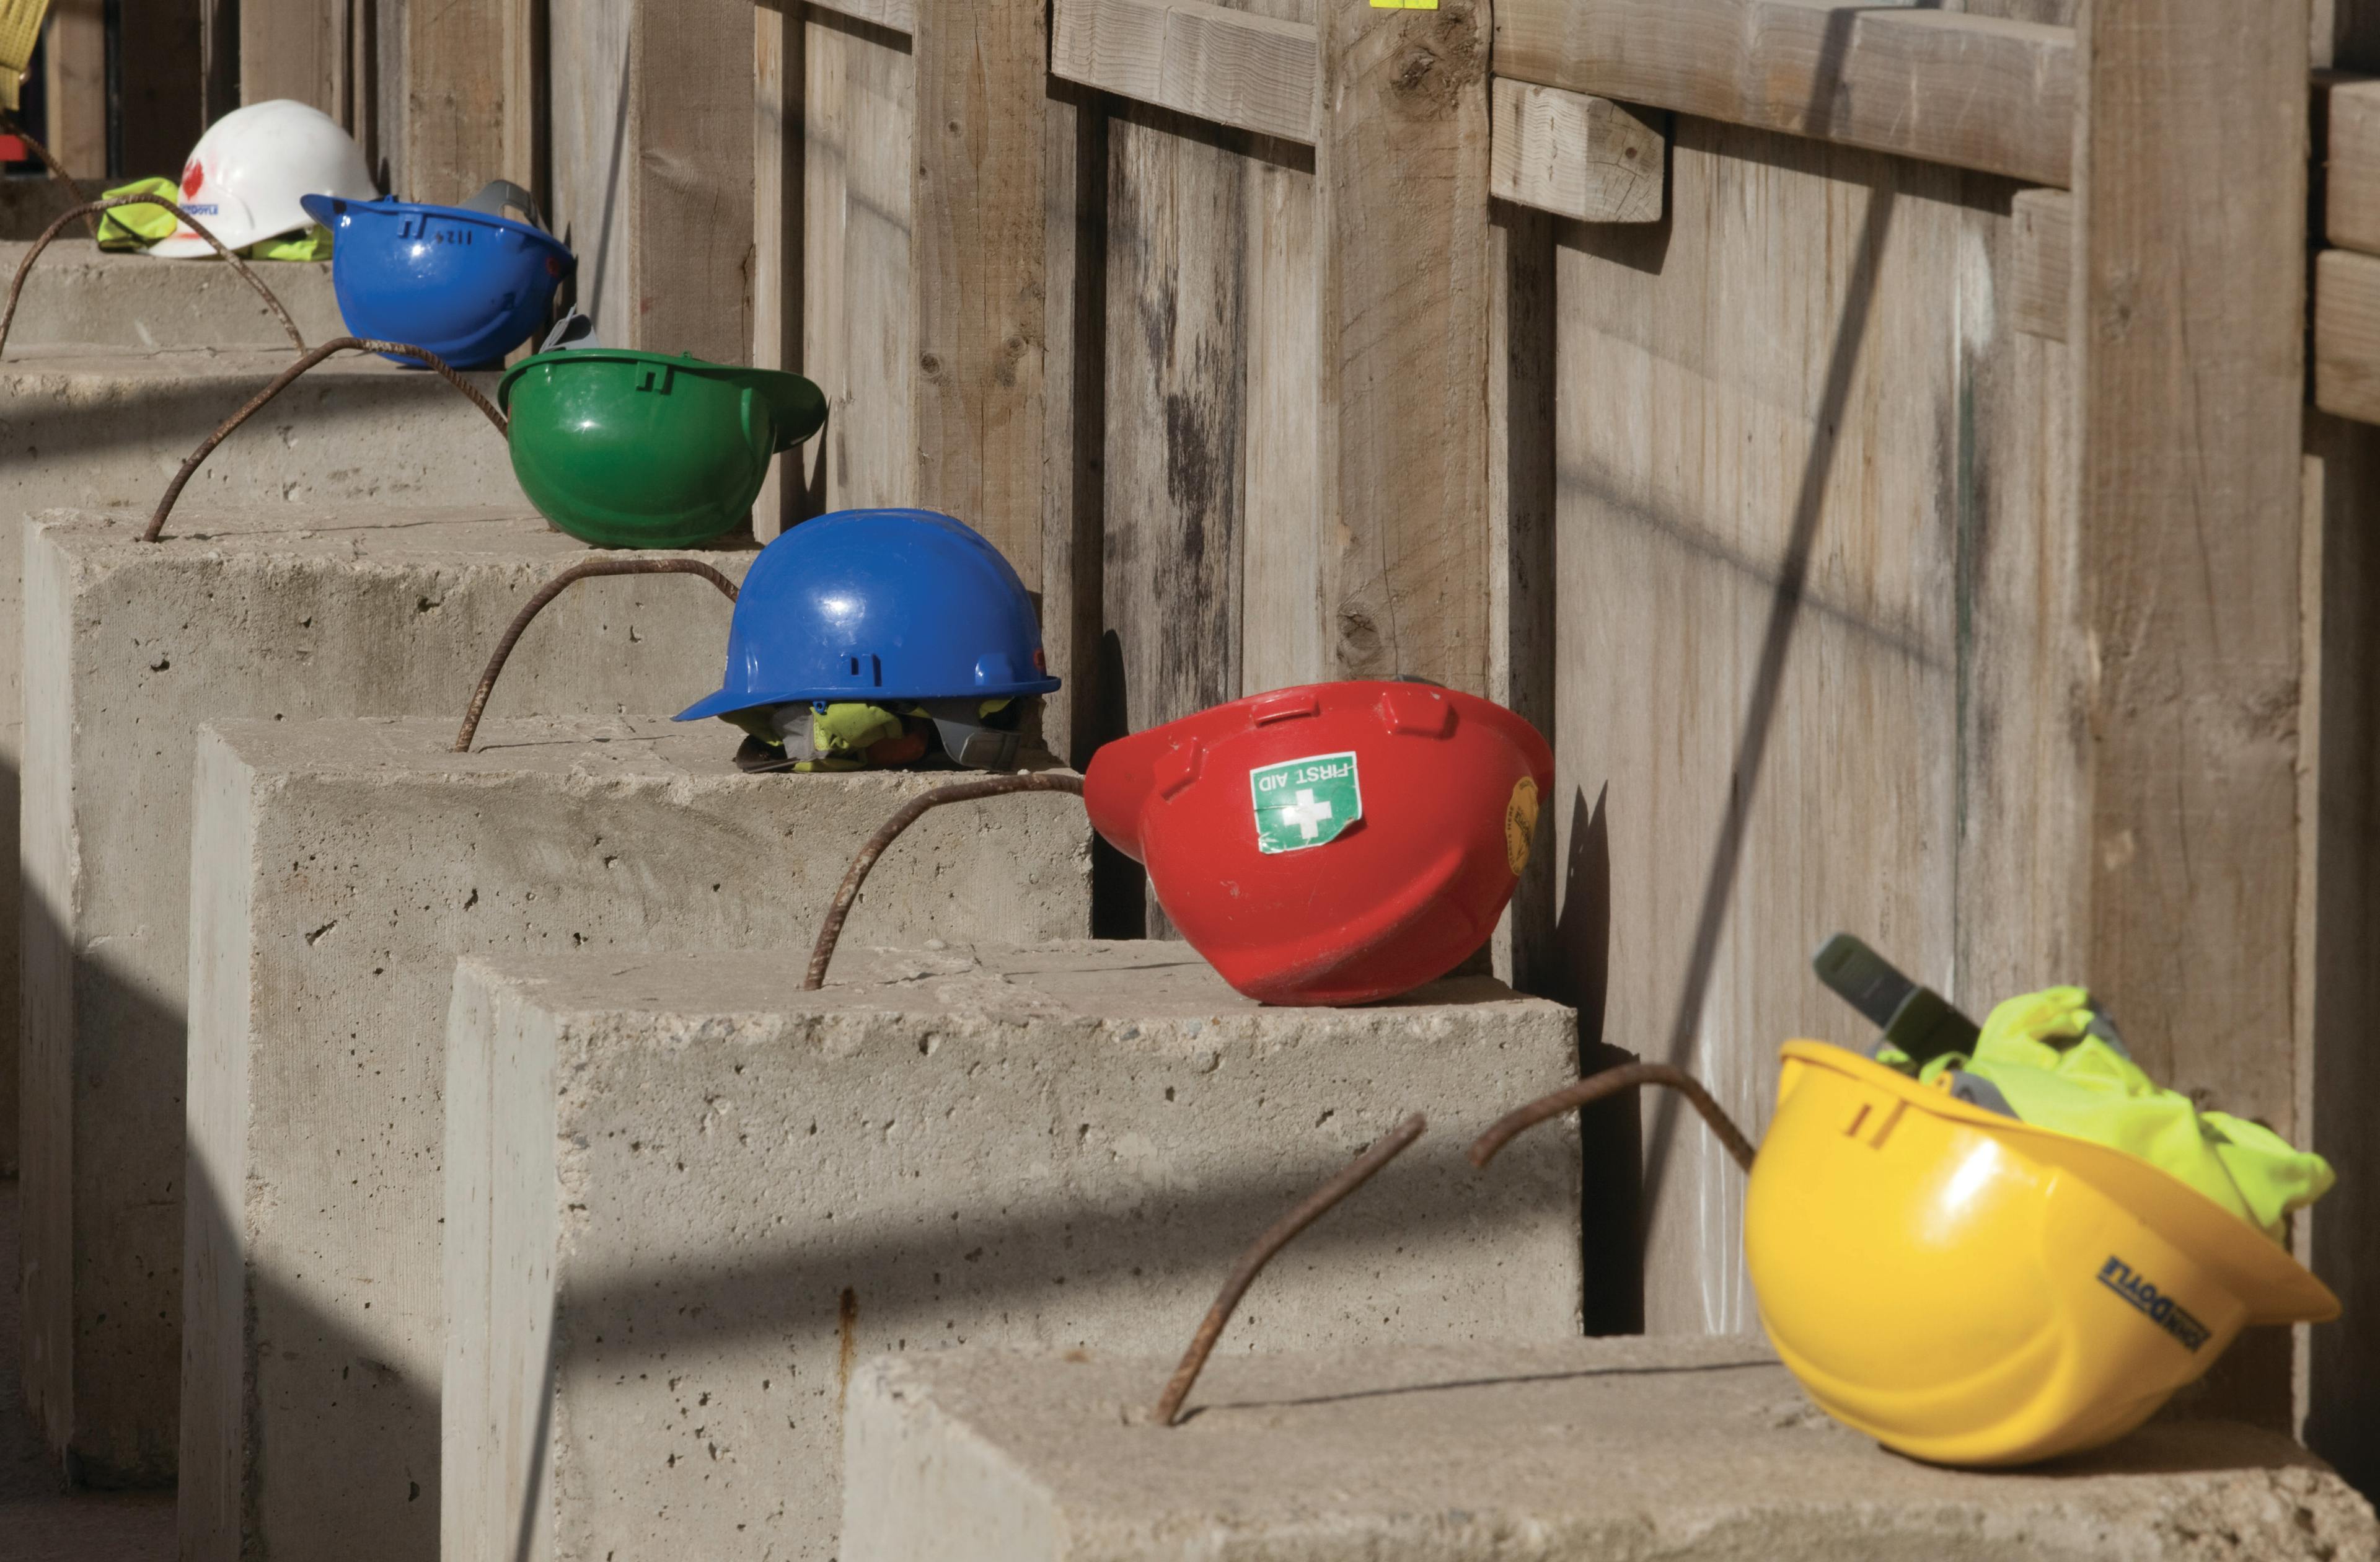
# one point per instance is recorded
(41, 1520)
(100, 1225)
(986, 1261)
(324, 1501)
(1013, 1272)
(181, 412)
(2181, 1447)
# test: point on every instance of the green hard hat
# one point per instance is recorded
(637, 450)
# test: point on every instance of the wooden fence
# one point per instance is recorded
(1873, 442)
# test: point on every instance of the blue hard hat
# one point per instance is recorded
(879, 605)
(466, 282)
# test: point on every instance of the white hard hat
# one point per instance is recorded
(245, 174)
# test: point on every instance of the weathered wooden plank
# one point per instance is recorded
(978, 249)
(1764, 470)
(2347, 334)
(2339, 857)
(1521, 390)
(777, 77)
(2023, 661)
(162, 83)
(1074, 429)
(2042, 269)
(1177, 342)
(469, 106)
(2351, 190)
(1284, 636)
(73, 81)
(1406, 305)
(652, 170)
(859, 106)
(894, 16)
(593, 153)
(296, 49)
(692, 229)
(2338, 1073)
(218, 59)
(1251, 72)
(1575, 155)
(2190, 525)
(1975, 92)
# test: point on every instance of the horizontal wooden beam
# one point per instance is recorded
(894, 16)
(2351, 188)
(2347, 334)
(1250, 72)
(1575, 155)
(2042, 267)
(1974, 92)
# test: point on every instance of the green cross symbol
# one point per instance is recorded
(1305, 803)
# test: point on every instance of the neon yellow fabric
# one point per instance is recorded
(2041, 1052)
(137, 227)
(843, 734)
(852, 728)
(314, 244)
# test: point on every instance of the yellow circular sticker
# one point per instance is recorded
(1519, 822)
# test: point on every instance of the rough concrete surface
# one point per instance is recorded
(40, 1520)
(100, 429)
(1615, 1451)
(79, 294)
(683, 1199)
(340, 867)
(30, 201)
(130, 646)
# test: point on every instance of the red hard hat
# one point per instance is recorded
(1331, 844)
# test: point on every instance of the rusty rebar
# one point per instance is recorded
(589, 570)
(1611, 1081)
(25, 266)
(15, 127)
(12, 125)
(964, 791)
(1278, 1235)
(282, 381)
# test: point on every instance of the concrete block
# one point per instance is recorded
(105, 431)
(1609, 1448)
(79, 294)
(29, 203)
(339, 869)
(129, 647)
(684, 1199)
(94, 429)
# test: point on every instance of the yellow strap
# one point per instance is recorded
(20, 28)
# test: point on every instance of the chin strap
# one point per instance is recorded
(572, 330)
(498, 195)
(969, 743)
(967, 740)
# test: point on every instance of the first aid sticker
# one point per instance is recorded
(1307, 802)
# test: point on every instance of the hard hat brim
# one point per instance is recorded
(728, 700)
(192, 249)
(2276, 1286)
(328, 209)
(799, 407)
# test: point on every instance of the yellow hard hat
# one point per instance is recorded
(1969, 1290)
